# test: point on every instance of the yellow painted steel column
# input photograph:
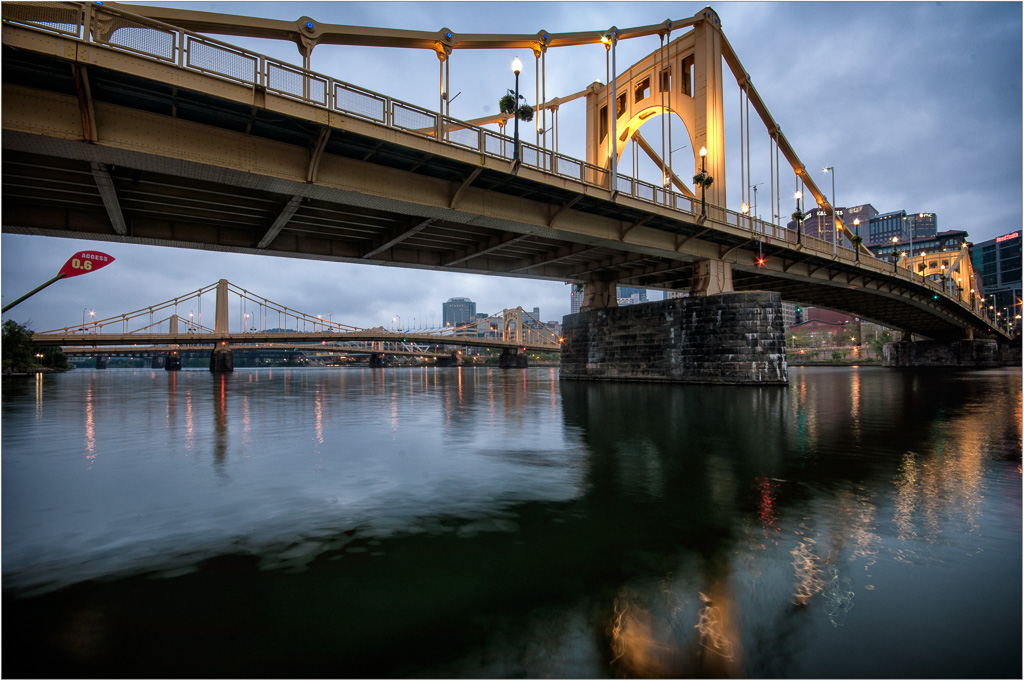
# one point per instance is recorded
(221, 318)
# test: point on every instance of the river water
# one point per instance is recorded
(412, 522)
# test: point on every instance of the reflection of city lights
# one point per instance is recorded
(90, 427)
(633, 644)
(712, 630)
(838, 598)
(39, 396)
(805, 564)
(906, 485)
(766, 510)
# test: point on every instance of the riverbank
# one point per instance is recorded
(32, 371)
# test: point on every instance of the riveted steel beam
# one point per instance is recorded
(105, 183)
(282, 219)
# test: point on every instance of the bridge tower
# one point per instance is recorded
(221, 359)
(682, 79)
(220, 326)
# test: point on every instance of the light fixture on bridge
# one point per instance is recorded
(704, 180)
(517, 66)
(798, 216)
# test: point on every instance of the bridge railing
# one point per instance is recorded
(115, 29)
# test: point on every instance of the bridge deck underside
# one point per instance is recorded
(50, 188)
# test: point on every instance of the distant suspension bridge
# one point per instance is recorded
(241, 317)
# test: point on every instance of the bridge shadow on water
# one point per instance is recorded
(707, 531)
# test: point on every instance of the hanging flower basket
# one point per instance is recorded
(798, 216)
(507, 104)
(702, 180)
(857, 241)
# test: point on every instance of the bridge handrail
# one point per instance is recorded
(95, 23)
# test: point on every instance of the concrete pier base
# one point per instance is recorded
(979, 354)
(454, 361)
(222, 361)
(731, 338)
(513, 359)
(101, 361)
(378, 360)
(172, 362)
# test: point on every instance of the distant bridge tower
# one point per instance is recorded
(221, 359)
(221, 319)
(683, 78)
(514, 319)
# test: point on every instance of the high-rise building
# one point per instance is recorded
(575, 298)
(818, 223)
(950, 240)
(998, 262)
(883, 227)
(858, 219)
(631, 296)
(458, 311)
(924, 225)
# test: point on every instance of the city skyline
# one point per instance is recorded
(917, 150)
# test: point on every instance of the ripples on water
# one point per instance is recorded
(487, 523)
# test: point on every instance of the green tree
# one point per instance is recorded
(53, 356)
(881, 339)
(17, 347)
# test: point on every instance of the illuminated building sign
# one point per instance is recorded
(1007, 237)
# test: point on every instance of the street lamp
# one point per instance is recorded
(835, 234)
(517, 66)
(703, 179)
(799, 217)
(754, 187)
(895, 239)
(856, 246)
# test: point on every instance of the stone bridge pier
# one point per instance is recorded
(513, 358)
(715, 335)
(454, 360)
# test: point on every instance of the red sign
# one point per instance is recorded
(85, 262)
(1007, 237)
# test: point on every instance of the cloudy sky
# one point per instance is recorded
(916, 105)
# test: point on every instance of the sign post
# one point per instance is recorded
(82, 262)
